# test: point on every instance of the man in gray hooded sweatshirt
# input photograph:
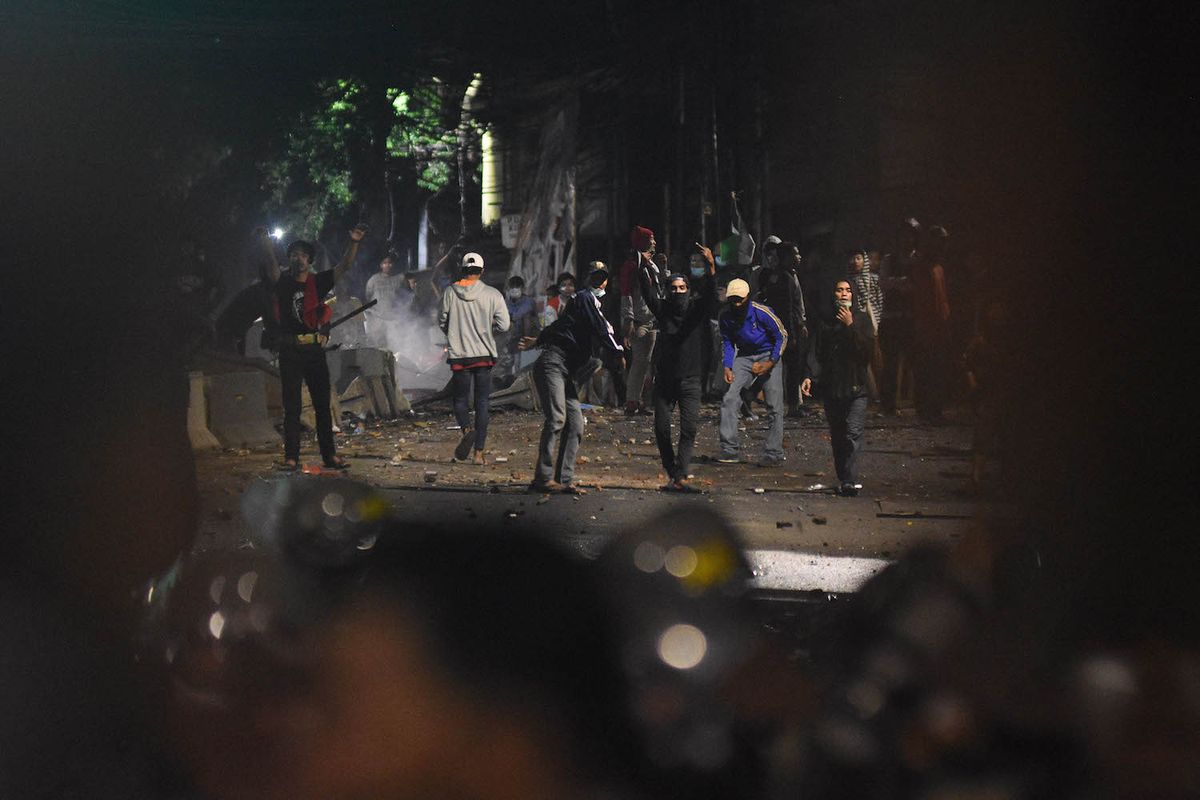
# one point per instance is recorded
(471, 312)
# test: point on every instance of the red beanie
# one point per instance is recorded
(640, 238)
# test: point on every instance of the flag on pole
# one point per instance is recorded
(737, 249)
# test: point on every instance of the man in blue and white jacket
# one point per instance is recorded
(753, 340)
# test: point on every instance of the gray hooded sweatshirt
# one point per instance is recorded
(469, 316)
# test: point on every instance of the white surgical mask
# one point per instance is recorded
(514, 294)
(598, 292)
(698, 272)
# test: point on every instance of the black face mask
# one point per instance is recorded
(678, 300)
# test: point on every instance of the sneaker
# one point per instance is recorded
(728, 458)
(772, 461)
(464, 445)
(849, 489)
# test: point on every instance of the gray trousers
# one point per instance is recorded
(772, 391)
(642, 345)
(563, 428)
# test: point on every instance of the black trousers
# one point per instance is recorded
(305, 363)
(793, 369)
(668, 393)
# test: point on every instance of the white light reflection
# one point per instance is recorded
(245, 586)
(648, 557)
(216, 624)
(333, 504)
(682, 646)
(277, 233)
(681, 561)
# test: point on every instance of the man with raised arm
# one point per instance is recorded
(301, 316)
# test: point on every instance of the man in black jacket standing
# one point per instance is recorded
(683, 316)
(837, 367)
(779, 288)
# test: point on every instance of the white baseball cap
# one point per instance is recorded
(472, 261)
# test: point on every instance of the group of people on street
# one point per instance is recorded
(753, 325)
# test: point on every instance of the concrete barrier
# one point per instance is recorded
(197, 418)
(237, 409)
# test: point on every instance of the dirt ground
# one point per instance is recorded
(916, 481)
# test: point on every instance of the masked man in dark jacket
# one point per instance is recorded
(837, 370)
(683, 313)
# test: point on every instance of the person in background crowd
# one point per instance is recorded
(570, 348)
(523, 316)
(391, 290)
(931, 327)
(637, 323)
(753, 340)
(471, 311)
(868, 297)
(779, 289)
(896, 322)
(682, 315)
(564, 290)
(837, 372)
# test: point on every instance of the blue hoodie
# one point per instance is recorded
(759, 332)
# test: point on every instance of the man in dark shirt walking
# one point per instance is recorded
(683, 316)
(300, 313)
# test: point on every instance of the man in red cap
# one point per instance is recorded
(638, 326)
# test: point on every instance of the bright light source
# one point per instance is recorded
(277, 233)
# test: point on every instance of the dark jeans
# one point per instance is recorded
(305, 363)
(563, 428)
(669, 392)
(460, 388)
(847, 418)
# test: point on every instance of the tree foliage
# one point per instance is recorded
(333, 156)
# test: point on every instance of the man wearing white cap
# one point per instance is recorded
(471, 311)
(753, 339)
